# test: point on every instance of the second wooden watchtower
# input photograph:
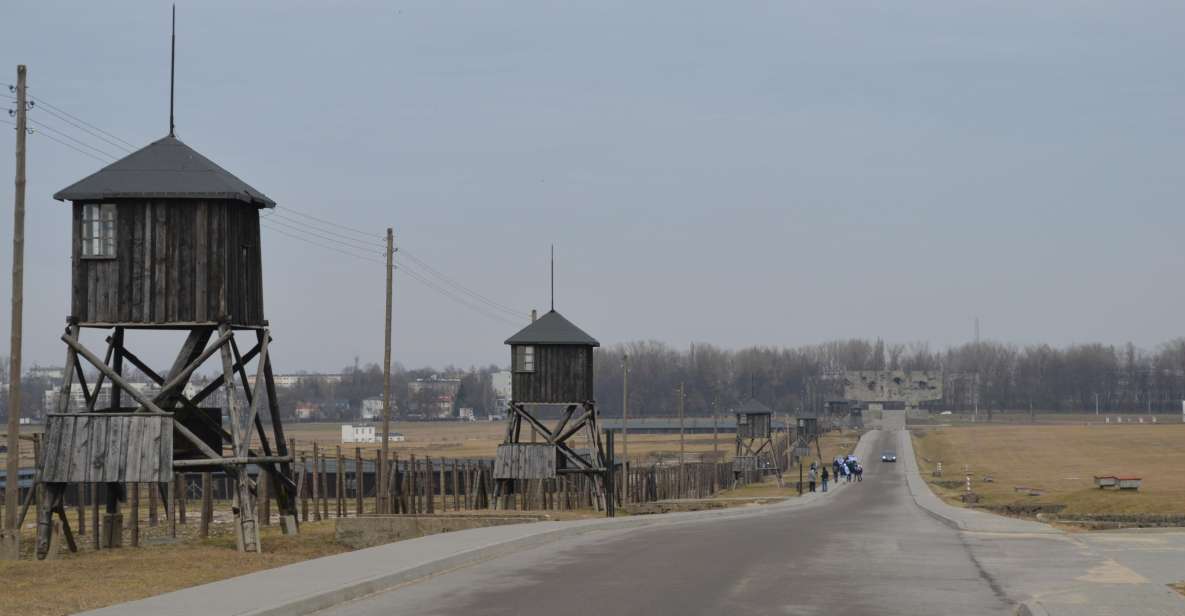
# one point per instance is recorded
(551, 366)
(754, 453)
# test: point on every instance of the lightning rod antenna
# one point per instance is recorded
(172, 70)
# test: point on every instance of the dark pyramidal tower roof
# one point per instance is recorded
(753, 406)
(552, 328)
(167, 169)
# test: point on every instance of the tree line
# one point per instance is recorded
(991, 375)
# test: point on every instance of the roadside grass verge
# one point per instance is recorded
(1058, 462)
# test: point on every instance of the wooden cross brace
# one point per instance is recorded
(555, 437)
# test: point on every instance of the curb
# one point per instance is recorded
(913, 477)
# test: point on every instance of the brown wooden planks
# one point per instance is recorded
(101, 447)
(98, 451)
(177, 261)
(78, 274)
(201, 261)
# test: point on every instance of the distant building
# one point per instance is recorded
(892, 389)
(292, 380)
(45, 372)
(306, 411)
(78, 403)
(368, 433)
(434, 398)
(358, 433)
(372, 409)
(466, 414)
(500, 381)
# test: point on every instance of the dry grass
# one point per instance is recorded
(90, 580)
(480, 439)
(1061, 461)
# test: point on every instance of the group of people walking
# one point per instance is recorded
(846, 468)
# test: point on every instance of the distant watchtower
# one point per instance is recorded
(754, 451)
(551, 365)
(166, 240)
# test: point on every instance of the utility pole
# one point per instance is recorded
(716, 425)
(381, 487)
(681, 449)
(975, 395)
(11, 545)
(1096, 405)
(625, 420)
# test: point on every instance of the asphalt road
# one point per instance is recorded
(870, 550)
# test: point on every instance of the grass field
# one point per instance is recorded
(1061, 461)
(480, 439)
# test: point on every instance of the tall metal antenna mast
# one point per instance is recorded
(172, 70)
(553, 277)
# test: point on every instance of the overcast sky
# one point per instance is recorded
(738, 173)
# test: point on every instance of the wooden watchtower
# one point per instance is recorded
(754, 452)
(552, 366)
(166, 240)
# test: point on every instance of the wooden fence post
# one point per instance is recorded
(207, 508)
(339, 487)
(95, 542)
(263, 496)
(134, 507)
(316, 483)
(81, 496)
(171, 506)
(182, 498)
(153, 518)
(359, 481)
(379, 461)
(302, 489)
(324, 470)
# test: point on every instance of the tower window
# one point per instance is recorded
(524, 359)
(98, 230)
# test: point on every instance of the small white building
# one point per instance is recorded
(367, 433)
(358, 434)
(466, 414)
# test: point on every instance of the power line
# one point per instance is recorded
(453, 296)
(76, 149)
(93, 133)
(402, 267)
(349, 238)
(51, 129)
(319, 244)
(352, 242)
(461, 287)
(42, 101)
(365, 234)
(272, 218)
